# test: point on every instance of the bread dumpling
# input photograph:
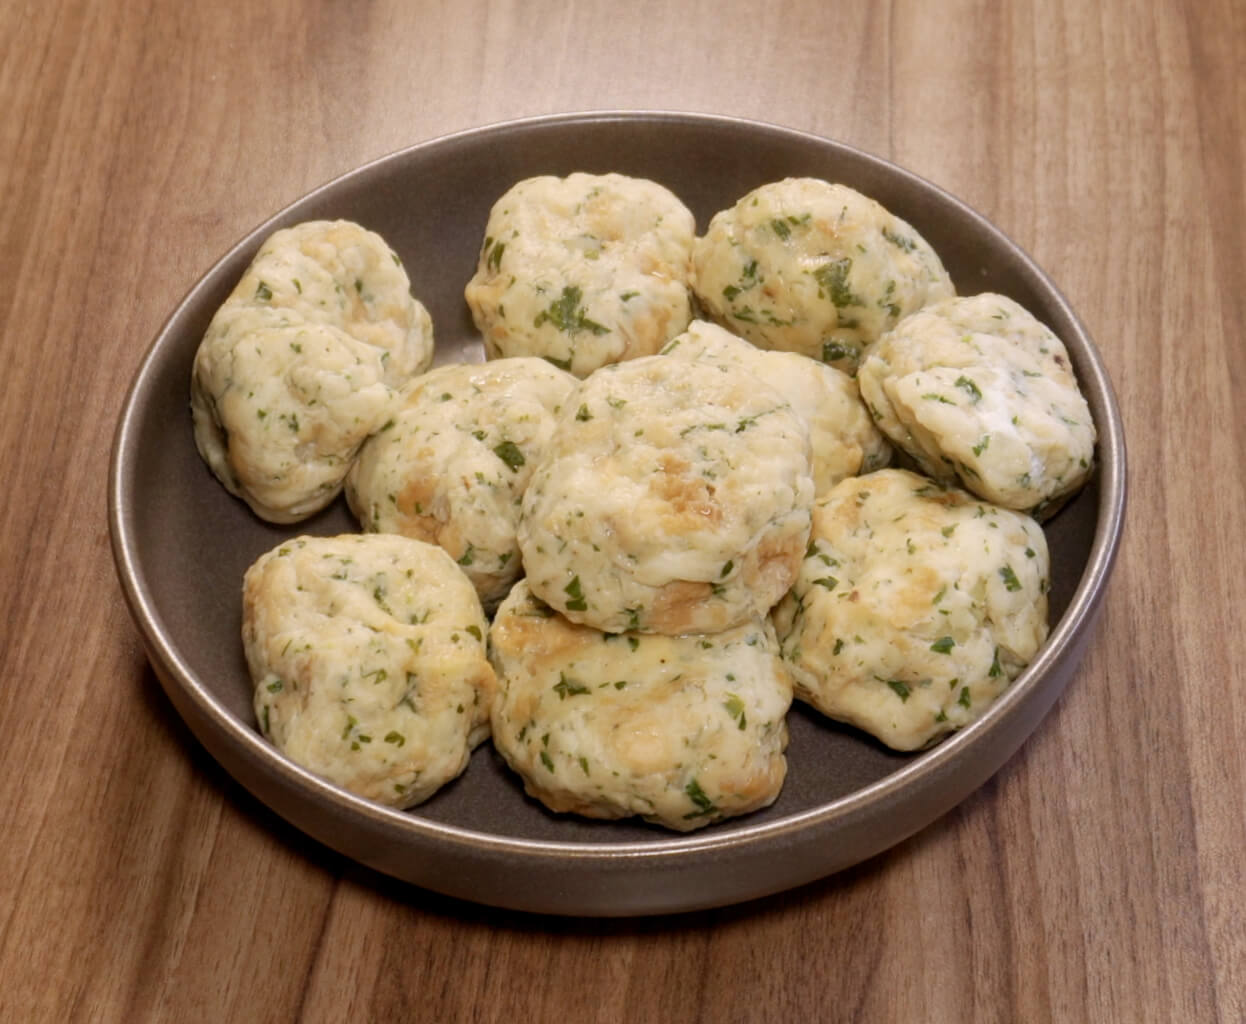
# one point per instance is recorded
(367, 654)
(979, 392)
(451, 464)
(672, 497)
(803, 265)
(682, 731)
(583, 271)
(915, 606)
(302, 363)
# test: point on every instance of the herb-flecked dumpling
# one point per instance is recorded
(843, 438)
(914, 608)
(367, 654)
(979, 392)
(672, 497)
(802, 265)
(302, 362)
(682, 731)
(451, 464)
(583, 271)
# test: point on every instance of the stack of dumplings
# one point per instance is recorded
(696, 478)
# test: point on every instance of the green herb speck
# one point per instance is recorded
(969, 387)
(900, 687)
(1010, 578)
(509, 453)
(577, 601)
(568, 315)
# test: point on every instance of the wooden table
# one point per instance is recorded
(1097, 877)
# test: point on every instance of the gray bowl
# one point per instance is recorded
(181, 544)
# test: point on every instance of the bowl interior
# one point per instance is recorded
(191, 542)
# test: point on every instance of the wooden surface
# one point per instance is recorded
(1098, 877)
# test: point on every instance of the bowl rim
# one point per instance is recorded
(175, 672)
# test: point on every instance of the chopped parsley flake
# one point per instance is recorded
(1010, 578)
(577, 602)
(567, 314)
(832, 278)
(509, 453)
(568, 687)
(969, 387)
(703, 804)
(494, 258)
(900, 687)
(899, 241)
(833, 351)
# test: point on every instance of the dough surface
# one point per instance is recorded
(302, 362)
(844, 441)
(451, 464)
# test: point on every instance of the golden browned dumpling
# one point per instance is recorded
(683, 731)
(980, 393)
(914, 608)
(806, 266)
(450, 466)
(367, 652)
(583, 271)
(672, 497)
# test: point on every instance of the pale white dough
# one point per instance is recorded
(302, 362)
(843, 438)
(672, 497)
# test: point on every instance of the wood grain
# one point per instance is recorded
(1099, 876)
